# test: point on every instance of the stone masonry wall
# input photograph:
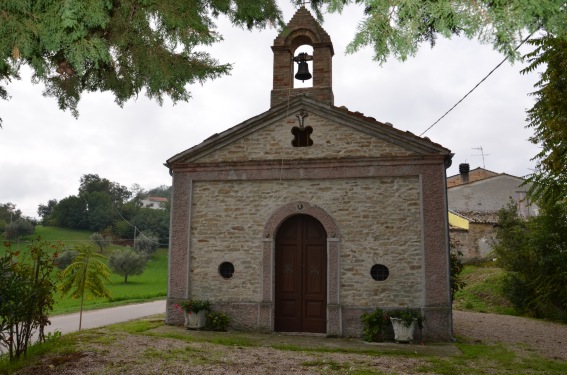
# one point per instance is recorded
(330, 140)
(379, 221)
(476, 242)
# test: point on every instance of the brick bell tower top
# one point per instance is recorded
(302, 29)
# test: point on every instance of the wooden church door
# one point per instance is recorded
(301, 276)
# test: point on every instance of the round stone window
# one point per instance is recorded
(226, 269)
(379, 272)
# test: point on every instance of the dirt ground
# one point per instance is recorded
(548, 339)
(110, 352)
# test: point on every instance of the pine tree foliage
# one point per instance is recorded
(397, 27)
(548, 118)
(121, 46)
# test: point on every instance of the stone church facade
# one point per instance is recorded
(307, 215)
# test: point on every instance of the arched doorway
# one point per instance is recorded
(301, 276)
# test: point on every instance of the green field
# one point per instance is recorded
(484, 290)
(150, 285)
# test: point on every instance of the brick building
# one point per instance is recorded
(303, 217)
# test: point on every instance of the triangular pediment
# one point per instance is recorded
(337, 134)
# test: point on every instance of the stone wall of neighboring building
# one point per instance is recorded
(476, 242)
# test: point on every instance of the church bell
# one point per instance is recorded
(302, 69)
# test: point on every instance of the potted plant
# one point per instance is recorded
(374, 324)
(195, 312)
(404, 322)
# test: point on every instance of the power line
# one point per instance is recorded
(478, 84)
(136, 229)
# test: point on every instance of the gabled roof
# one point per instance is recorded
(156, 199)
(303, 20)
(487, 179)
(480, 217)
(341, 116)
(474, 175)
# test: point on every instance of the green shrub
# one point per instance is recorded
(374, 324)
(122, 229)
(456, 267)
(534, 252)
(26, 296)
(18, 228)
(65, 258)
(217, 321)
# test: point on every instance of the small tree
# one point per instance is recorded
(65, 258)
(146, 243)
(26, 295)
(127, 262)
(18, 228)
(86, 274)
(100, 241)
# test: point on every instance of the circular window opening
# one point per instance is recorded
(379, 272)
(226, 269)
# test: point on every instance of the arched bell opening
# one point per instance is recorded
(303, 67)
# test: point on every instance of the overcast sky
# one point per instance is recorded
(45, 151)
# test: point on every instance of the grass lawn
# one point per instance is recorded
(150, 285)
(484, 291)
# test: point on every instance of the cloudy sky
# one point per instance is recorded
(45, 151)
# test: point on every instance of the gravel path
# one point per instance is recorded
(548, 339)
(114, 352)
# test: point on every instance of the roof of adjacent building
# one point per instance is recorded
(489, 217)
(476, 174)
(156, 199)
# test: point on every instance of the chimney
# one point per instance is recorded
(464, 169)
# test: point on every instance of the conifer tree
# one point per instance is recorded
(122, 46)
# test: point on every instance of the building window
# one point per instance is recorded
(379, 272)
(302, 136)
(226, 270)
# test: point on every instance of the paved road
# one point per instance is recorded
(104, 317)
(99, 318)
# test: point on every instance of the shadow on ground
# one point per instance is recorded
(312, 342)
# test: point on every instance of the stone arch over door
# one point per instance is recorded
(280, 215)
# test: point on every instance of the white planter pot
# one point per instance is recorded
(401, 332)
(195, 320)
